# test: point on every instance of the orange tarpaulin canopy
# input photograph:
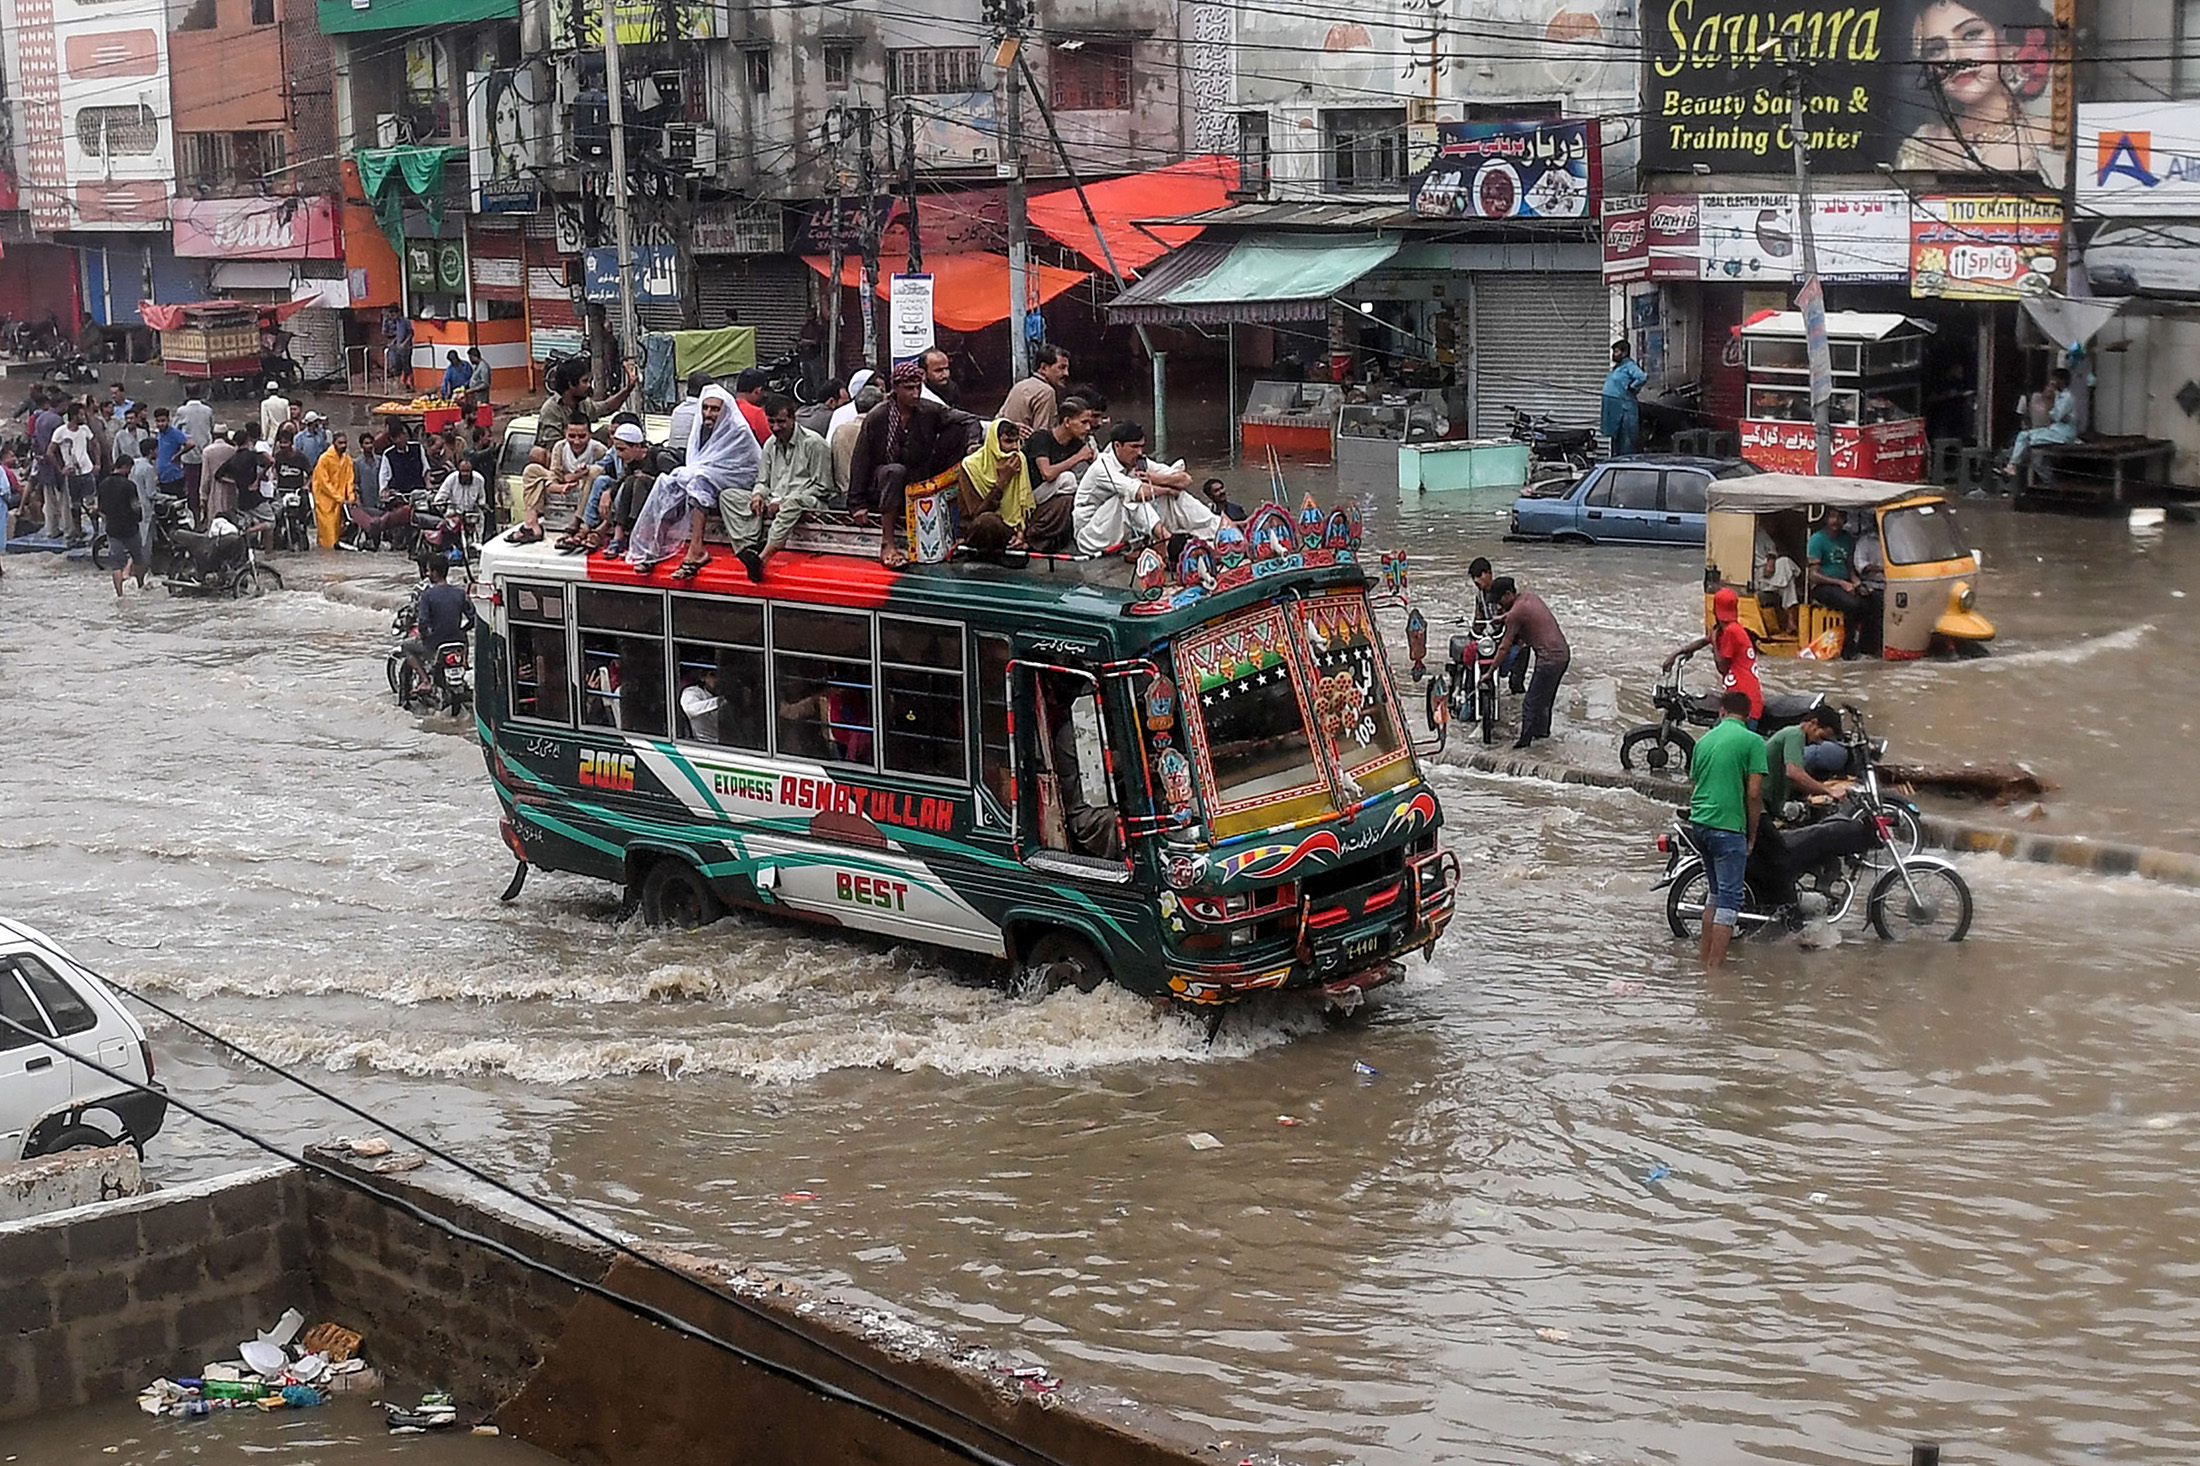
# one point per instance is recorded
(969, 291)
(1190, 187)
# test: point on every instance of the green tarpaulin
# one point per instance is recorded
(721, 352)
(1281, 277)
(388, 174)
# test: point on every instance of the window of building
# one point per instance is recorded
(821, 682)
(840, 65)
(1254, 157)
(2185, 78)
(535, 619)
(759, 62)
(263, 12)
(922, 71)
(1367, 149)
(718, 659)
(230, 159)
(622, 660)
(117, 132)
(920, 686)
(1089, 76)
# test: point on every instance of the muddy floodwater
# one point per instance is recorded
(1588, 1206)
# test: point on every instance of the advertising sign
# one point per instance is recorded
(435, 266)
(2139, 158)
(1947, 87)
(1511, 170)
(733, 228)
(656, 274)
(1755, 237)
(506, 124)
(256, 229)
(1984, 248)
(578, 24)
(1626, 239)
(909, 316)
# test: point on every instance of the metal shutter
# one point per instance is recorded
(772, 293)
(1542, 343)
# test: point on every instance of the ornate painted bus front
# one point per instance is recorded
(1195, 779)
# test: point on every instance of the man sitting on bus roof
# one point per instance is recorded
(721, 455)
(904, 440)
(795, 478)
(1127, 498)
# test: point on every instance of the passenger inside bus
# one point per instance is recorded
(828, 718)
(1074, 769)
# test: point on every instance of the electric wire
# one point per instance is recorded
(548, 1209)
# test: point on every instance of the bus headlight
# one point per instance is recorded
(1182, 871)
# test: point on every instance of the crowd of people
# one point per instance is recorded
(1049, 472)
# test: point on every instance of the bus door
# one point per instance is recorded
(1068, 814)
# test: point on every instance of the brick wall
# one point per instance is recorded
(95, 1302)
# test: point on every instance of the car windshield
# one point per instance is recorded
(1921, 534)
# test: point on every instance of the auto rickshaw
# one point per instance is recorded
(1756, 541)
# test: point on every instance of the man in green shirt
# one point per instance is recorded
(1769, 865)
(1728, 768)
(1833, 583)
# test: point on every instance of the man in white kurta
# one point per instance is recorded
(1127, 498)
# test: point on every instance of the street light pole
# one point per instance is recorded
(1811, 299)
(622, 225)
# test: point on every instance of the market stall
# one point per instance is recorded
(1876, 410)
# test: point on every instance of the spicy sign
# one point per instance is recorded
(1984, 248)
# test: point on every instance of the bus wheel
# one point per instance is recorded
(675, 894)
(1060, 960)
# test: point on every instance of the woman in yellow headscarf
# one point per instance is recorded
(996, 498)
(335, 484)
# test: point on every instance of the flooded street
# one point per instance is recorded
(1588, 1206)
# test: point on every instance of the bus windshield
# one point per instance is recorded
(1285, 704)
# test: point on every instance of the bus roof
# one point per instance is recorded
(835, 565)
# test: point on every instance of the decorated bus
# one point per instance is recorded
(1192, 779)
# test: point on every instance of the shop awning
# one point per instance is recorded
(969, 290)
(1279, 277)
(1128, 208)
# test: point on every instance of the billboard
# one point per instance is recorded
(506, 131)
(1511, 170)
(256, 229)
(656, 270)
(1984, 248)
(1930, 85)
(1751, 238)
(2139, 158)
(578, 24)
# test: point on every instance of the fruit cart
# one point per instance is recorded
(432, 414)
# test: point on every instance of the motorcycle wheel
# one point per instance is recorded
(1939, 912)
(1487, 713)
(1684, 902)
(1651, 749)
(393, 666)
(99, 550)
(255, 580)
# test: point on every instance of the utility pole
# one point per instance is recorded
(622, 224)
(868, 175)
(908, 187)
(1012, 19)
(1811, 299)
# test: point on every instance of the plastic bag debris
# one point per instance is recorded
(438, 1411)
(796, 1198)
(1553, 1336)
(1656, 1174)
(1289, 1120)
(1201, 1140)
(1364, 1070)
(277, 1372)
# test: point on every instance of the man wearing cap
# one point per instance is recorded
(1734, 649)
(904, 440)
(311, 440)
(626, 478)
(275, 410)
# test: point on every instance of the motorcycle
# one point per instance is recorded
(1866, 795)
(368, 529)
(171, 514)
(295, 528)
(1571, 448)
(219, 562)
(787, 377)
(437, 535)
(1466, 690)
(1916, 897)
(69, 369)
(1658, 746)
(448, 683)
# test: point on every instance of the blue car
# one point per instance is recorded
(1650, 499)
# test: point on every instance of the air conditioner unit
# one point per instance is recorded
(691, 147)
(389, 129)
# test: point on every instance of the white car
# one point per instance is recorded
(48, 1101)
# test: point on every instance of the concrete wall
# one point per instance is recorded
(71, 1179)
(95, 1302)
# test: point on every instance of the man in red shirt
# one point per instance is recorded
(748, 395)
(1734, 648)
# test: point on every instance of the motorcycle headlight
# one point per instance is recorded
(1486, 647)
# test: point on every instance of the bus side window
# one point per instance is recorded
(718, 667)
(821, 684)
(921, 688)
(535, 621)
(622, 660)
(993, 766)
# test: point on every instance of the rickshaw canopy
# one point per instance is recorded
(1767, 493)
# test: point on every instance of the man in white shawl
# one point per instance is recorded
(722, 457)
(1128, 499)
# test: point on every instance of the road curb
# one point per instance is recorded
(2072, 852)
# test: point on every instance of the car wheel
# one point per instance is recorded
(674, 894)
(77, 1137)
(1060, 960)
